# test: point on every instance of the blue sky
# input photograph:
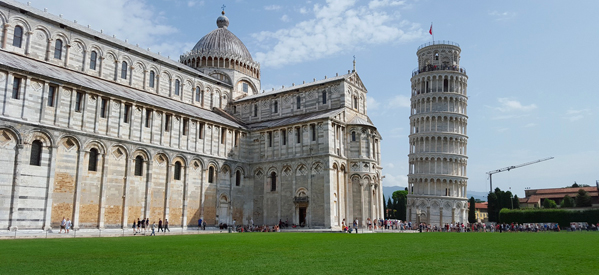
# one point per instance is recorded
(531, 67)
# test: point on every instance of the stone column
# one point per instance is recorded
(167, 190)
(67, 54)
(4, 34)
(185, 197)
(453, 215)
(28, 45)
(441, 216)
(80, 158)
(126, 192)
(103, 188)
(14, 207)
(52, 151)
(148, 199)
(428, 215)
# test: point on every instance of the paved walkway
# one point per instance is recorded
(91, 233)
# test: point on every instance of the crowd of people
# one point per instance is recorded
(143, 226)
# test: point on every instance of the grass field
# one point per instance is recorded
(308, 253)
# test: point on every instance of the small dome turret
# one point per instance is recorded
(222, 21)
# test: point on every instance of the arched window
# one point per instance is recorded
(198, 95)
(152, 78)
(353, 136)
(273, 181)
(436, 56)
(255, 110)
(36, 153)
(237, 178)
(124, 67)
(58, 49)
(355, 102)
(177, 86)
(17, 38)
(139, 165)
(92, 165)
(211, 174)
(177, 170)
(276, 107)
(298, 102)
(92, 60)
(324, 97)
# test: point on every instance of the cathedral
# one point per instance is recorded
(103, 132)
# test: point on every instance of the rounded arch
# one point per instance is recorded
(13, 132)
(272, 169)
(95, 143)
(214, 164)
(301, 192)
(197, 163)
(240, 169)
(64, 37)
(18, 20)
(162, 158)
(63, 137)
(143, 152)
(81, 42)
(140, 64)
(97, 49)
(42, 135)
(181, 158)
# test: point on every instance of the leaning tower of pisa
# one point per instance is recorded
(437, 178)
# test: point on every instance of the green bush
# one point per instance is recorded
(561, 216)
(547, 203)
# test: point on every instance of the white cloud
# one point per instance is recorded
(574, 115)
(385, 3)
(508, 105)
(193, 3)
(303, 10)
(389, 165)
(529, 125)
(372, 103)
(395, 180)
(285, 18)
(337, 27)
(134, 20)
(272, 7)
(400, 101)
(502, 16)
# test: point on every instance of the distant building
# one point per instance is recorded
(535, 197)
(481, 212)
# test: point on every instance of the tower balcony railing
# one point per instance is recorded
(439, 42)
(432, 68)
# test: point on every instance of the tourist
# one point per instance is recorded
(147, 223)
(153, 227)
(134, 232)
(166, 225)
(199, 224)
(63, 225)
(160, 225)
(68, 225)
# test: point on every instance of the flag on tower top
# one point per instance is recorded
(431, 30)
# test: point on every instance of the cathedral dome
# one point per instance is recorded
(222, 42)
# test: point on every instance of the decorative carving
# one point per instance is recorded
(36, 86)
(2, 77)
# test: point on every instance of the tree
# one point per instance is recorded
(583, 199)
(567, 202)
(400, 197)
(493, 207)
(516, 201)
(547, 203)
(389, 209)
(472, 211)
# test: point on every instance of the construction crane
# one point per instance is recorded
(490, 173)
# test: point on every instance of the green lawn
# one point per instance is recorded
(308, 253)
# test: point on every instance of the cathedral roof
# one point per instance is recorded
(222, 41)
(295, 119)
(360, 121)
(34, 67)
(293, 88)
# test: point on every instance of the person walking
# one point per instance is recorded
(147, 221)
(166, 225)
(63, 225)
(153, 228)
(160, 225)
(199, 224)
(134, 228)
(203, 225)
(68, 225)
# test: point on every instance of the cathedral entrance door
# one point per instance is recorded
(302, 216)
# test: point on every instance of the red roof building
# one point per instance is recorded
(536, 197)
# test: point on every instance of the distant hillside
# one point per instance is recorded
(388, 192)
